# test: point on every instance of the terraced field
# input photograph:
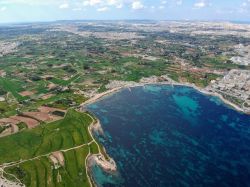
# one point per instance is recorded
(65, 82)
(13, 87)
(31, 150)
(41, 173)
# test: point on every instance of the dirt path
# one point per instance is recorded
(15, 163)
(11, 164)
(93, 139)
(86, 168)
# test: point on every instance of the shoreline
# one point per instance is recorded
(201, 90)
(101, 159)
(109, 166)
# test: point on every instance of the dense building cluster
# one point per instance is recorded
(7, 47)
(242, 55)
(236, 84)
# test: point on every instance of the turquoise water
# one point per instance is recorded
(172, 136)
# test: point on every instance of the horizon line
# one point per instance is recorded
(126, 20)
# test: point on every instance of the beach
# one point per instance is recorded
(109, 166)
(170, 125)
(151, 81)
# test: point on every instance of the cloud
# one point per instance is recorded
(179, 2)
(137, 5)
(163, 2)
(102, 9)
(92, 2)
(76, 5)
(119, 6)
(200, 4)
(64, 6)
(2, 9)
(31, 2)
(171, 3)
(161, 7)
(112, 2)
(245, 7)
(244, 4)
(77, 9)
(116, 3)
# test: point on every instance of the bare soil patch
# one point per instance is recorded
(46, 109)
(31, 123)
(47, 96)
(8, 121)
(40, 116)
(27, 93)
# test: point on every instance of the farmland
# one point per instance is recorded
(63, 135)
(47, 70)
(63, 64)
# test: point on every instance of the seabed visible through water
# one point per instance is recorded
(161, 135)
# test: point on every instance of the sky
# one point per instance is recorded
(51, 10)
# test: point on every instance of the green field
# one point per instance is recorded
(41, 173)
(61, 135)
(64, 82)
(62, 69)
(12, 86)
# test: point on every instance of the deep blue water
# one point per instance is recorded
(173, 136)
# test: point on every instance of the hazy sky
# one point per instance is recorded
(49, 10)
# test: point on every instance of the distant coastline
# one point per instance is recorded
(30, 22)
(241, 22)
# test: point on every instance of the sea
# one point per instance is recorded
(163, 135)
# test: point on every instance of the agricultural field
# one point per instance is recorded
(31, 150)
(60, 65)
(41, 172)
(63, 64)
